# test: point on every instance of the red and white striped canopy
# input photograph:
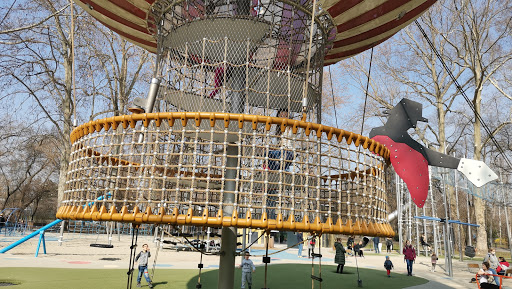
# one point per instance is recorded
(360, 24)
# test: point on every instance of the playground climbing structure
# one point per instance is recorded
(241, 141)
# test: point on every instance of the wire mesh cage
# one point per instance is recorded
(243, 56)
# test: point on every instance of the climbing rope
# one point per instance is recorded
(159, 244)
(266, 258)
(366, 91)
(133, 251)
(359, 281)
(200, 266)
(279, 251)
(305, 89)
(313, 276)
(245, 249)
(333, 100)
(197, 246)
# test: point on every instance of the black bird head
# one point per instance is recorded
(406, 111)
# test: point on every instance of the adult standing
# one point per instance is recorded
(376, 241)
(493, 264)
(300, 240)
(389, 245)
(358, 249)
(350, 243)
(409, 256)
(339, 258)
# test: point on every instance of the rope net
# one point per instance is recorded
(229, 67)
(176, 168)
(243, 56)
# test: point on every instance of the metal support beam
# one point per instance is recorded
(509, 234)
(446, 230)
(228, 237)
(61, 236)
(459, 228)
(399, 209)
(433, 211)
(470, 237)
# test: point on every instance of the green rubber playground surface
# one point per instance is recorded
(280, 276)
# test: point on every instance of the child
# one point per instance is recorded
(247, 270)
(388, 265)
(311, 246)
(434, 261)
(143, 257)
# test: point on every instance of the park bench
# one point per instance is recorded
(508, 272)
(473, 268)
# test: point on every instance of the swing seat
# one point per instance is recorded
(316, 278)
(102, 246)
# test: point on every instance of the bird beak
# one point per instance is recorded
(423, 119)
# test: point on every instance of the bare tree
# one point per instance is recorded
(41, 68)
(472, 38)
(29, 169)
(38, 64)
(117, 71)
(482, 37)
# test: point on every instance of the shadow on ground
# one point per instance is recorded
(298, 276)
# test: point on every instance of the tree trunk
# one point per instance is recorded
(64, 164)
(481, 241)
(67, 112)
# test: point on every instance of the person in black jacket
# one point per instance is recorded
(389, 245)
(388, 265)
(358, 249)
(350, 243)
(339, 258)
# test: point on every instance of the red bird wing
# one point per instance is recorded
(411, 166)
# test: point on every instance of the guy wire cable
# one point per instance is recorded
(333, 101)
(366, 91)
(457, 85)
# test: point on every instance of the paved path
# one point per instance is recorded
(76, 253)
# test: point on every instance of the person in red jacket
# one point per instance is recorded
(409, 256)
(503, 266)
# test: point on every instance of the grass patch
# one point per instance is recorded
(279, 276)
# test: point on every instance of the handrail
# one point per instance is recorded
(241, 119)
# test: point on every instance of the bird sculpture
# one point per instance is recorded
(410, 159)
